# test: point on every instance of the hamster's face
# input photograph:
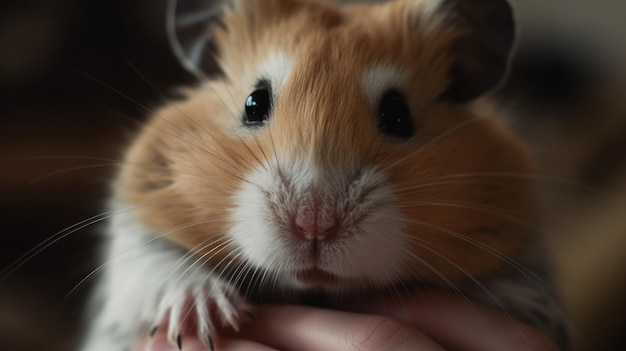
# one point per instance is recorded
(323, 156)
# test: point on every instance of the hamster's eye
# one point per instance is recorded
(394, 117)
(258, 104)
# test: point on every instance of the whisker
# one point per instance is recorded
(62, 234)
(370, 153)
(497, 301)
(251, 281)
(532, 176)
(114, 163)
(238, 275)
(155, 89)
(449, 283)
(549, 108)
(273, 145)
(143, 243)
(204, 259)
(429, 246)
(393, 286)
(263, 278)
(238, 253)
(528, 274)
(258, 143)
(196, 249)
(439, 137)
(238, 111)
(251, 153)
(157, 115)
(520, 217)
(234, 113)
(219, 276)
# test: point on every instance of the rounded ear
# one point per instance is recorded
(190, 25)
(482, 50)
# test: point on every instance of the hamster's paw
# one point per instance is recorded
(201, 311)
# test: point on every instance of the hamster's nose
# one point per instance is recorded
(314, 220)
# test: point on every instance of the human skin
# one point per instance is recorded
(425, 322)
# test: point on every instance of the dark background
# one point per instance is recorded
(77, 77)
(70, 99)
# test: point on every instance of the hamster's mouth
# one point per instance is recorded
(315, 276)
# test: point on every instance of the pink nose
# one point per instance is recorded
(314, 220)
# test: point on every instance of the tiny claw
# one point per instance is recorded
(208, 342)
(179, 342)
(233, 323)
(153, 330)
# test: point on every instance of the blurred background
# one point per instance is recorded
(77, 78)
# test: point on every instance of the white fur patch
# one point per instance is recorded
(255, 230)
(369, 248)
(276, 69)
(379, 79)
(151, 282)
(428, 7)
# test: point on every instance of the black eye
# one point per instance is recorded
(258, 106)
(394, 117)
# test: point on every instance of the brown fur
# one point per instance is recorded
(194, 154)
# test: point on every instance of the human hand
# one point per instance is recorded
(429, 321)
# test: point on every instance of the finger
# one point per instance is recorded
(159, 342)
(458, 323)
(312, 329)
(240, 345)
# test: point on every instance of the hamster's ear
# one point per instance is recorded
(481, 51)
(190, 25)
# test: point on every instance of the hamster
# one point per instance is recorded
(327, 150)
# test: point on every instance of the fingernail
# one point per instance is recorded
(179, 342)
(210, 343)
(153, 330)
